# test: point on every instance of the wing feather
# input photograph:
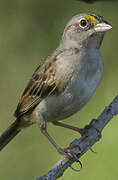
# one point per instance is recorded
(42, 84)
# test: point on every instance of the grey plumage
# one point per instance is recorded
(66, 80)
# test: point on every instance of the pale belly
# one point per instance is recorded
(78, 93)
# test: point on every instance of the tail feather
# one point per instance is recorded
(9, 134)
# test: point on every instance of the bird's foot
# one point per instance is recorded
(69, 153)
(84, 131)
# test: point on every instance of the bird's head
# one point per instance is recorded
(86, 29)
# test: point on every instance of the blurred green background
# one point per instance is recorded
(29, 31)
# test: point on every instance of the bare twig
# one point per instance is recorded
(83, 144)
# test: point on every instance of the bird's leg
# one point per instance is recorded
(44, 131)
(82, 131)
(66, 152)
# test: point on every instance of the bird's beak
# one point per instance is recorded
(102, 27)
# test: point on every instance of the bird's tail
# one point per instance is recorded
(9, 134)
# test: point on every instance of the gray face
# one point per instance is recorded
(85, 28)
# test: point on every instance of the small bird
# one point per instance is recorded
(65, 81)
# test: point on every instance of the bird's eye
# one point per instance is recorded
(83, 23)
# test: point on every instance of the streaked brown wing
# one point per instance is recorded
(41, 85)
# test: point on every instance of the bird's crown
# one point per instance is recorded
(90, 18)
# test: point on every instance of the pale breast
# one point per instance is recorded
(84, 83)
(81, 87)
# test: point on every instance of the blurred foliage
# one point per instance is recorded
(29, 31)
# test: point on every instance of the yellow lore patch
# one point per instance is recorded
(90, 18)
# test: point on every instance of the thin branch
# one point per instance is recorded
(83, 144)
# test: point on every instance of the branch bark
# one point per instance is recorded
(83, 144)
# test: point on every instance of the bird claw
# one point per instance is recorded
(76, 170)
(69, 153)
(84, 130)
